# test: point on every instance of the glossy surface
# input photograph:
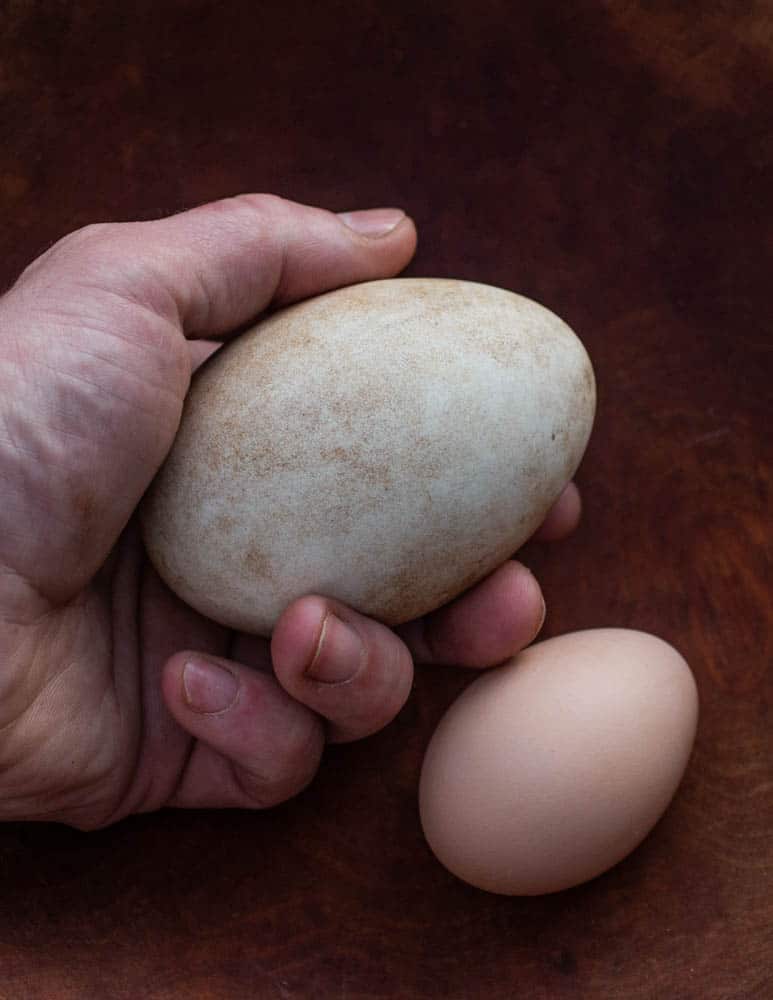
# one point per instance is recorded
(388, 445)
(611, 160)
(550, 769)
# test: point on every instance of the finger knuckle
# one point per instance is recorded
(94, 236)
(264, 206)
(263, 203)
(292, 767)
(81, 246)
(84, 247)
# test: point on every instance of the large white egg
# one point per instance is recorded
(387, 444)
(551, 769)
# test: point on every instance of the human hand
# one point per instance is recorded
(115, 697)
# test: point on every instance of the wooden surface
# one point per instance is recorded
(614, 161)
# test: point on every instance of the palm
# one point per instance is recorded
(104, 740)
(81, 684)
(95, 716)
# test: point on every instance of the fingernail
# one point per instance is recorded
(373, 222)
(208, 688)
(339, 653)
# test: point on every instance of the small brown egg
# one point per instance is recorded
(552, 768)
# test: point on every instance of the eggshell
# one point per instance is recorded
(387, 444)
(551, 769)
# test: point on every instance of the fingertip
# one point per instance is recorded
(406, 236)
(385, 235)
(563, 517)
(172, 679)
(504, 613)
(196, 685)
(485, 625)
(296, 636)
(320, 641)
(208, 688)
(351, 670)
(255, 745)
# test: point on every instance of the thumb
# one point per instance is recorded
(94, 365)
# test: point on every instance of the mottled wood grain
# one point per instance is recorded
(612, 160)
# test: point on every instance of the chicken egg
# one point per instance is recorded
(549, 770)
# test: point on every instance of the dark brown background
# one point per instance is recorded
(612, 160)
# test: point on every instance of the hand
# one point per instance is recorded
(115, 697)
